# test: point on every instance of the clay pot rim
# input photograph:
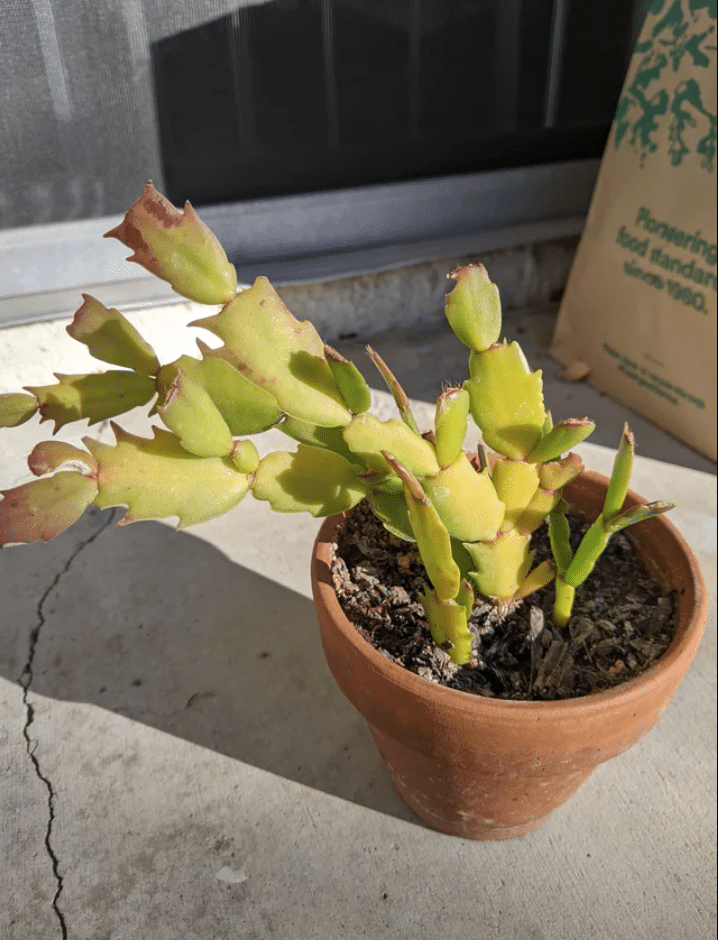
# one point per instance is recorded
(683, 645)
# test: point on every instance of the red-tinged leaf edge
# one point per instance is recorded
(48, 456)
(41, 509)
(200, 271)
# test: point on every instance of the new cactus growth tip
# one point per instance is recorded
(472, 522)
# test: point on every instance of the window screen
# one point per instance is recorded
(220, 101)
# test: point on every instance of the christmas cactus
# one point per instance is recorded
(471, 518)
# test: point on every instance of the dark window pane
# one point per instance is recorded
(289, 96)
(457, 69)
(595, 60)
(534, 61)
(285, 69)
(370, 53)
(196, 103)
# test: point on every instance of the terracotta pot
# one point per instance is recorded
(483, 768)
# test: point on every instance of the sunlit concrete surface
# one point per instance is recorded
(176, 762)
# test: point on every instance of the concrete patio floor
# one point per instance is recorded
(181, 765)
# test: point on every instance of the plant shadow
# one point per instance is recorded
(162, 628)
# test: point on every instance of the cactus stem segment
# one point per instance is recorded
(432, 537)
(16, 408)
(473, 307)
(621, 475)
(540, 577)
(563, 604)
(559, 533)
(452, 411)
(392, 383)
(350, 381)
(406, 477)
(560, 439)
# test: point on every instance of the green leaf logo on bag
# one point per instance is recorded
(667, 97)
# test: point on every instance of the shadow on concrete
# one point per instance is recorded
(163, 628)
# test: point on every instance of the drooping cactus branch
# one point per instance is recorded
(472, 525)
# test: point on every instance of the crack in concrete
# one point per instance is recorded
(25, 681)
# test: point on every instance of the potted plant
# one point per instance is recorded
(469, 764)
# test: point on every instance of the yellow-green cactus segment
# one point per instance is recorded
(621, 475)
(554, 475)
(311, 480)
(516, 483)
(448, 625)
(350, 381)
(452, 412)
(432, 539)
(573, 570)
(596, 539)
(96, 396)
(312, 434)
(560, 439)
(44, 508)
(110, 337)
(610, 519)
(587, 554)
(435, 617)
(279, 354)
(245, 456)
(542, 503)
(16, 409)
(506, 400)
(391, 509)
(156, 478)
(541, 576)
(399, 395)
(465, 597)
(563, 603)
(473, 307)
(559, 535)
(501, 566)
(245, 407)
(367, 437)
(637, 514)
(177, 247)
(190, 413)
(466, 501)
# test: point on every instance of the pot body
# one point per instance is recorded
(483, 768)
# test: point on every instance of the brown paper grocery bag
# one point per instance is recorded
(640, 304)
